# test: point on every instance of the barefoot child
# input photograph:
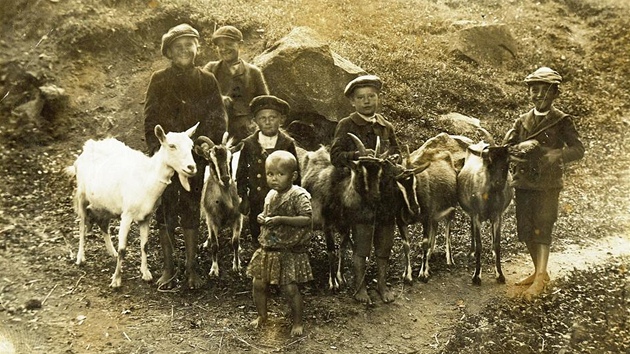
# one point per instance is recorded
(286, 227)
(551, 140)
(377, 230)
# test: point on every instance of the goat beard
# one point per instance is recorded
(184, 181)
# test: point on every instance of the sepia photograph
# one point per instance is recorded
(299, 176)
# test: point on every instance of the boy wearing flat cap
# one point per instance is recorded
(177, 98)
(378, 231)
(546, 140)
(239, 80)
(269, 112)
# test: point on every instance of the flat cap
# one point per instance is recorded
(182, 30)
(229, 32)
(269, 102)
(363, 81)
(544, 74)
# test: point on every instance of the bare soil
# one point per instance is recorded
(102, 53)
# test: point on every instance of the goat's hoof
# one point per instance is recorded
(147, 276)
(501, 279)
(476, 281)
(424, 278)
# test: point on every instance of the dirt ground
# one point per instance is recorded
(50, 305)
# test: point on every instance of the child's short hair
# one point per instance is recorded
(283, 158)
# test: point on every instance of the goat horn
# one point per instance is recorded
(359, 144)
(378, 146)
(204, 139)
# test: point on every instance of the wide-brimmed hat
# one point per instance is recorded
(544, 74)
(229, 32)
(363, 81)
(269, 102)
(182, 30)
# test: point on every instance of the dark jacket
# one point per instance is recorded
(251, 179)
(247, 83)
(179, 98)
(343, 149)
(554, 131)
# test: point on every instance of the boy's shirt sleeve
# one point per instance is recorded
(151, 115)
(573, 149)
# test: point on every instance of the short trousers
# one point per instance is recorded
(180, 207)
(536, 213)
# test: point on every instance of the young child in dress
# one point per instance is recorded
(286, 227)
(548, 139)
(269, 113)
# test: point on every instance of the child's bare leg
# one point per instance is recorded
(383, 266)
(360, 292)
(533, 253)
(542, 276)
(293, 295)
(259, 292)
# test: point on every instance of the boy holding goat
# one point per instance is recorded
(178, 97)
(547, 139)
(377, 134)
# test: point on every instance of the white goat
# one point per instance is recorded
(220, 200)
(115, 180)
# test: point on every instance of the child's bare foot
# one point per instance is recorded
(297, 330)
(534, 290)
(362, 296)
(386, 295)
(258, 322)
(530, 279)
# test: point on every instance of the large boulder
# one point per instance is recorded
(302, 69)
(459, 124)
(485, 44)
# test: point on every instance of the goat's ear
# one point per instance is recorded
(159, 132)
(199, 150)
(192, 130)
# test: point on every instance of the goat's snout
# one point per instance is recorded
(191, 170)
(225, 179)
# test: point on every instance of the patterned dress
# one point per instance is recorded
(283, 254)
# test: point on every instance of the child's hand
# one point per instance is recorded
(273, 220)
(261, 219)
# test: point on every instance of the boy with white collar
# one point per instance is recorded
(549, 140)
(269, 112)
(368, 125)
